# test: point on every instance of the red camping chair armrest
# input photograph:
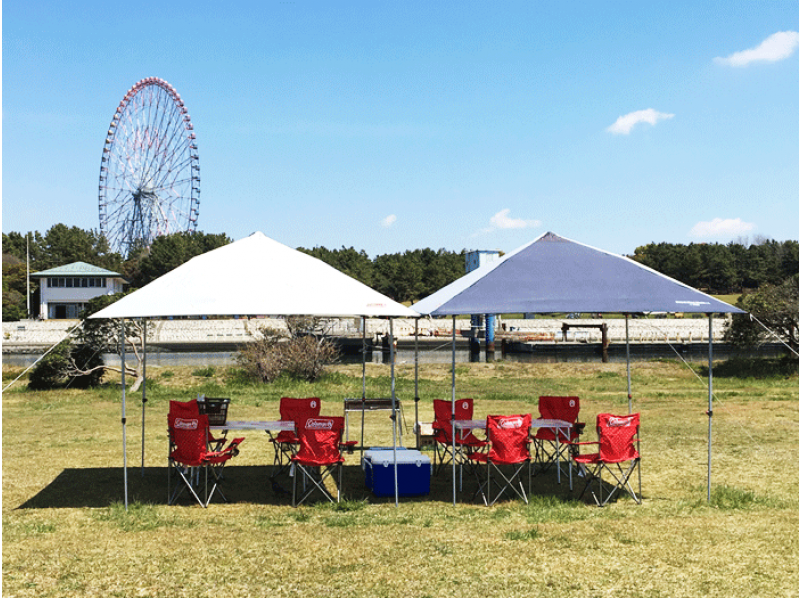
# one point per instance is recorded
(580, 443)
(232, 448)
(348, 446)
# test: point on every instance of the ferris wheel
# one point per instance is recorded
(150, 170)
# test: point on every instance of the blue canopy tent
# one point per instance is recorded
(552, 274)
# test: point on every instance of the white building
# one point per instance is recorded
(65, 290)
(477, 258)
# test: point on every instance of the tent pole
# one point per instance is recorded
(144, 382)
(124, 437)
(416, 380)
(628, 361)
(453, 408)
(363, 377)
(394, 411)
(710, 395)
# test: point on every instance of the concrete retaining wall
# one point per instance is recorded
(46, 333)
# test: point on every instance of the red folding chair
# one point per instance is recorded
(548, 450)
(318, 457)
(509, 447)
(618, 454)
(287, 442)
(466, 443)
(190, 454)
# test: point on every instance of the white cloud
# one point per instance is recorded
(388, 221)
(720, 227)
(776, 47)
(501, 221)
(625, 123)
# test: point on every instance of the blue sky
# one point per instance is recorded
(394, 126)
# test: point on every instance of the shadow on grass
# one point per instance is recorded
(104, 486)
(760, 368)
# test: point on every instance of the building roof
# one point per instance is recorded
(77, 269)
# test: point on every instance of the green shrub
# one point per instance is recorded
(206, 372)
(58, 368)
(87, 359)
(52, 370)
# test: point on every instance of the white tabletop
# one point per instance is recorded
(266, 426)
(480, 424)
(550, 423)
(470, 424)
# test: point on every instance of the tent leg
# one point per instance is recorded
(628, 361)
(710, 395)
(124, 430)
(394, 413)
(363, 377)
(453, 409)
(144, 382)
(416, 381)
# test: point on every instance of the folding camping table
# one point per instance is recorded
(364, 405)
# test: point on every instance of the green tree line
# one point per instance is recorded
(723, 269)
(406, 277)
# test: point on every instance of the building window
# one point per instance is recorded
(77, 282)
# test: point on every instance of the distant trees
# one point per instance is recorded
(355, 264)
(14, 281)
(407, 276)
(413, 275)
(167, 253)
(723, 269)
(62, 245)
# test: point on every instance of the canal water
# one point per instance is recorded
(572, 353)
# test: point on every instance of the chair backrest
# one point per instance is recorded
(442, 410)
(563, 408)
(617, 435)
(299, 410)
(188, 430)
(319, 441)
(508, 435)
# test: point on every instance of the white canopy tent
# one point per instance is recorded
(254, 276)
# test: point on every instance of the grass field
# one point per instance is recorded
(65, 532)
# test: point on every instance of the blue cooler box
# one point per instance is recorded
(413, 472)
